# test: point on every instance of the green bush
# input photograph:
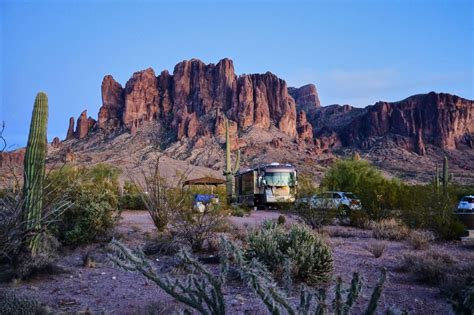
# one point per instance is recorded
(94, 193)
(417, 206)
(308, 254)
(281, 219)
(379, 195)
(131, 198)
(425, 207)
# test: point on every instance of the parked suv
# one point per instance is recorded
(344, 202)
(466, 204)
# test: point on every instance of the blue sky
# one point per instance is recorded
(355, 52)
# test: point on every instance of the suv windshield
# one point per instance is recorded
(468, 199)
(351, 196)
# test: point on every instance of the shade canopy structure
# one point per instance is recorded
(204, 181)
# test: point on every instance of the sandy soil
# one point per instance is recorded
(110, 290)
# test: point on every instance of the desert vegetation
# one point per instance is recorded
(199, 259)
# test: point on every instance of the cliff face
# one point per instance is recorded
(188, 98)
(443, 120)
(194, 100)
(306, 97)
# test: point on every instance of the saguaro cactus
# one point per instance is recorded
(436, 179)
(229, 172)
(446, 177)
(34, 168)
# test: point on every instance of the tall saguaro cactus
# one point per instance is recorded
(436, 179)
(229, 172)
(34, 169)
(446, 177)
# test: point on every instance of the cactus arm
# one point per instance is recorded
(34, 168)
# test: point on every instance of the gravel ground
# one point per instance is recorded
(106, 289)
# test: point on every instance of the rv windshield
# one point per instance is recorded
(279, 179)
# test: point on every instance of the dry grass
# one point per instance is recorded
(429, 267)
(389, 229)
(376, 248)
(420, 239)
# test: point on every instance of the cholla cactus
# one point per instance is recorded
(229, 173)
(203, 291)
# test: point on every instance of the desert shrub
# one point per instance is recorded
(237, 211)
(131, 198)
(359, 219)
(195, 229)
(420, 239)
(161, 198)
(309, 255)
(315, 217)
(429, 267)
(426, 207)
(281, 219)
(94, 211)
(376, 248)
(418, 206)
(163, 243)
(389, 229)
(10, 304)
(91, 219)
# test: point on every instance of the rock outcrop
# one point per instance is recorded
(70, 129)
(56, 143)
(110, 114)
(306, 97)
(443, 120)
(304, 128)
(195, 99)
(84, 125)
(13, 158)
(187, 100)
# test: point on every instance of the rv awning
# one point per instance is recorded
(205, 181)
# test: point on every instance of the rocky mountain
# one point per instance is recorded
(442, 120)
(182, 115)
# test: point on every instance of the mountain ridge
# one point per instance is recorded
(184, 112)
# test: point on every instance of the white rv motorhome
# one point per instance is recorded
(266, 185)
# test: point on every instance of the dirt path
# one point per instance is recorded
(133, 220)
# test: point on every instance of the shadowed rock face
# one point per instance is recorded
(194, 100)
(443, 120)
(110, 114)
(186, 100)
(306, 97)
